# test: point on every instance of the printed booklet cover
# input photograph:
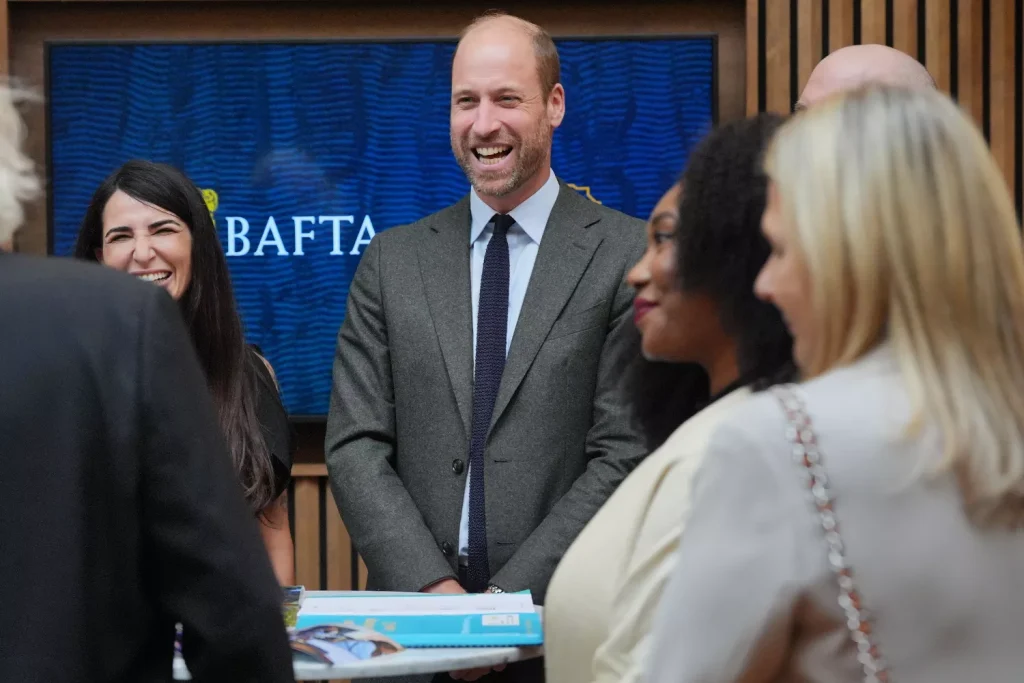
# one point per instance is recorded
(426, 620)
(331, 644)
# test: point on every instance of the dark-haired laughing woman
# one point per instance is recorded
(150, 220)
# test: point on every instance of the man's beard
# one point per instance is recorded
(530, 155)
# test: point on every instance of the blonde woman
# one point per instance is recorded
(897, 264)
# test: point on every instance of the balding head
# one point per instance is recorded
(857, 65)
(496, 25)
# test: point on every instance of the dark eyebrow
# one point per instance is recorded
(125, 229)
(162, 223)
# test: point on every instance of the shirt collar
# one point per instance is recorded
(532, 215)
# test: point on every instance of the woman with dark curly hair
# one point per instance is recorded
(707, 343)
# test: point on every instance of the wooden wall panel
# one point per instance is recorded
(306, 530)
(904, 26)
(1003, 111)
(970, 65)
(777, 55)
(972, 48)
(755, 31)
(324, 556)
(873, 24)
(840, 24)
(809, 38)
(937, 41)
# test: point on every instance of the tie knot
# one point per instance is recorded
(502, 222)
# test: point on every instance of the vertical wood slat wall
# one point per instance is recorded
(973, 49)
(324, 556)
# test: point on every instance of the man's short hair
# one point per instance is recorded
(549, 66)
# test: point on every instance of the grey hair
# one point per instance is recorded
(18, 180)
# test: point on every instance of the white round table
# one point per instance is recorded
(425, 660)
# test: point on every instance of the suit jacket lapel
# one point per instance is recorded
(444, 266)
(565, 251)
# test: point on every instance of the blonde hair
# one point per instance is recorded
(18, 180)
(909, 234)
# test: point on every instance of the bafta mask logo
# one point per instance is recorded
(585, 191)
(212, 202)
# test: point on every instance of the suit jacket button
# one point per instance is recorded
(446, 548)
(458, 467)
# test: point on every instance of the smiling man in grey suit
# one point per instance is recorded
(476, 420)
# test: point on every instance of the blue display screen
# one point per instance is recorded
(306, 150)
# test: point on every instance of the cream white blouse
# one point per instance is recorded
(603, 594)
(752, 597)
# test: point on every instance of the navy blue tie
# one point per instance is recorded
(491, 333)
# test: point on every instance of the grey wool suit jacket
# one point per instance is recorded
(561, 438)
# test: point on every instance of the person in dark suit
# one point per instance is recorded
(477, 418)
(121, 513)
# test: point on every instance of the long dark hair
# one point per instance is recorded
(208, 307)
(719, 252)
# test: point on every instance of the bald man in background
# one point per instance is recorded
(856, 65)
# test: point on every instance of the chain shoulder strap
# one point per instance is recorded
(801, 434)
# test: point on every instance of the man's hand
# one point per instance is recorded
(453, 587)
(449, 586)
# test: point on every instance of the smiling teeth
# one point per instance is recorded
(490, 156)
(154, 277)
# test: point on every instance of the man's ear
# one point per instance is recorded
(556, 105)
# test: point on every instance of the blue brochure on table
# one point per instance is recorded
(427, 620)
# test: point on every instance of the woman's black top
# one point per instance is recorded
(277, 431)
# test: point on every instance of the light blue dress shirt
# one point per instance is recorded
(523, 242)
